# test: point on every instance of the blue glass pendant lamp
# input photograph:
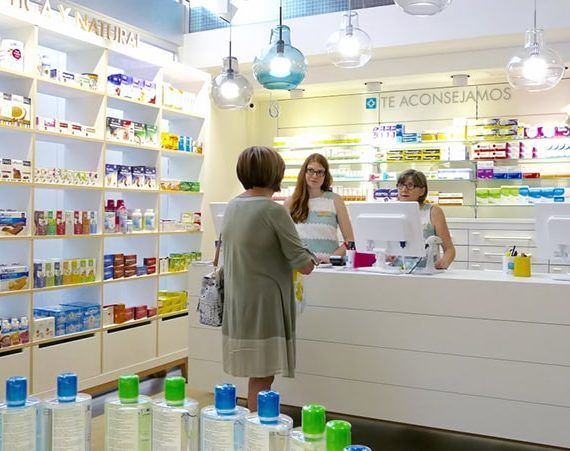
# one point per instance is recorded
(230, 89)
(280, 65)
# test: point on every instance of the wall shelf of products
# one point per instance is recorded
(85, 124)
(493, 163)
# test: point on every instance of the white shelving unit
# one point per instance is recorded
(100, 355)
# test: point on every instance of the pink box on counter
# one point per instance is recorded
(364, 259)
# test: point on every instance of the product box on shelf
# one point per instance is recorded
(115, 130)
(151, 135)
(108, 315)
(139, 133)
(15, 110)
(150, 177)
(126, 86)
(141, 311)
(149, 92)
(43, 328)
(90, 314)
(12, 54)
(138, 176)
(124, 176)
(111, 175)
(12, 223)
(13, 277)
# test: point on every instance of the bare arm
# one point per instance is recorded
(442, 231)
(343, 222)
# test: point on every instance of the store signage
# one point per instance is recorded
(371, 103)
(97, 26)
(457, 96)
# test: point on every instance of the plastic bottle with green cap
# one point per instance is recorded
(18, 417)
(66, 419)
(175, 418)
(268, 428)
(221, 425)
(128, 421)
(338, 435)
(311, 434)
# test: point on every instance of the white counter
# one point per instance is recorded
(470, 351)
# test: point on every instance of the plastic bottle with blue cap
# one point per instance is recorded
(175, 418)
(268, 429)
(357, 448)
(19, 417)
(311, 435)
(221, 425)
(66, 419)
(128, 420)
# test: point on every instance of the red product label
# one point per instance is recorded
(77, 224)
(16, 54)
(59, 223)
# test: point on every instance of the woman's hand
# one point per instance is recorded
(443, 262)
(324, 260)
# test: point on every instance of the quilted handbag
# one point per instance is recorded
(211, 301)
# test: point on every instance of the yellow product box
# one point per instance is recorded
(169, 141)
(67, 272)
(75, 272)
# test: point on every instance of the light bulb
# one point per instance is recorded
(229, 90)
(280, 67)
(349, 46)
(534, 68)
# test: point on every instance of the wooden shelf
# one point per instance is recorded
(64, 137)
(128, 145)
(14, 348)
(180, 153)
(181, 232)
(66, 287)
(65, 237)
(191, 193)
(15, 238)
(16, 292)
(131, 279)
(130, 323)
(14, 183)
(171, 314)
(116, 98)
(132, 234)
(174, 114)
(61, 89)
(132, 190)
(13, 128)
(64, 186)
(66, 337)
(173, 273)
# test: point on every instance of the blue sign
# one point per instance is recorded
(371, 103)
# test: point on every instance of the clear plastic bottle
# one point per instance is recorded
(338, 435)
(221, 425)
(149, 219)
(128, 418)
(268, 429)
(137, 219)
(18, 417)
(311, 434)
(175, 419)
(66, 419)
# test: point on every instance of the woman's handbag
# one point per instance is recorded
(211, 301)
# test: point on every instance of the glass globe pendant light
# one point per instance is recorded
(280, 65)
(230, 89)
(350, 46)
(536, 67)
(423, 7)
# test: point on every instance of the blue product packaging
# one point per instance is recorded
(58, 315)
(39, 275)
(108, 273)
(108, 261)
(91, 314)
(188, 144)
(141, 270)
(547, 193)
(181, 140)
(558, 192)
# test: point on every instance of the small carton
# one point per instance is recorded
(91, 272)
(108, 315)
(129, 313)
(17, 170)
(149, 92)
(126, 86)
(67, 272)
(141, 311)
(6, 169)
(12, 54)
(124, 179)
(128, 130)
(139, 133)
(108, 273)
(50, 278)
(26, 171)
(91, 314)
(138, 176)
(76, 129)
(119, 313)
(137, 89)
(63, 127)
(114, 129)
(57, 272)
(77, 223)
(12, 223)
(67, 77)
(150, 177)
(43, 328)
(114, 84)
(151, 135)
(111, 175)
(59, 222)
(69, 222)
(13, 277)
(85, 222)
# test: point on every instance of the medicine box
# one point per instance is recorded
(43, 328)
(91, 314)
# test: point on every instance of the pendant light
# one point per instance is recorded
(350, 46)
(230, 89)
(423, 7)
(536, 67)
(280, 65)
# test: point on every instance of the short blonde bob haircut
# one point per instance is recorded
(260, 167)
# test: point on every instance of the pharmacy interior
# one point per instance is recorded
(116, 141)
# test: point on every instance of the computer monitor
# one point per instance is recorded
(218, 209)
(553, 232)
(393, 226)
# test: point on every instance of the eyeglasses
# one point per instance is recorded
(317, 172)
(409, 186)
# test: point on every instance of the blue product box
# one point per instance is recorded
(91, 314)
(558, 192)
(73, 327)
(141, 270)
(108, 273)
(181, 141)
(108, 261)
(188, 144)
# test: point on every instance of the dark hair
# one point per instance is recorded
(418, 178)
(260, 167)
(299, 206)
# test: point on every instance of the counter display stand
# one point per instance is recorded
(99, 355)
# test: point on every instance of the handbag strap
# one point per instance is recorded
(218, 247)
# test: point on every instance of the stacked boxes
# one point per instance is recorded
(119, 313)
(16, 170)
(118, 266)
(86, 80)
(172, 141)
(65, 127)
(13, 277)
(68, 318)
(129, 87)
(65, 222)
(61, 176)
(178, 262)
(56, 272)
(172, 301)
(176, 98)
(13, 223)
(122, 176)
(123, 130)
(179, 185)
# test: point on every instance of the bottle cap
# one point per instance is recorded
(175, 390)
(357, 448)
(338, 435)
(225, 399)
(16, 391)
(129, 388)
(67, 387)
(268, 403)
(313, 419)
